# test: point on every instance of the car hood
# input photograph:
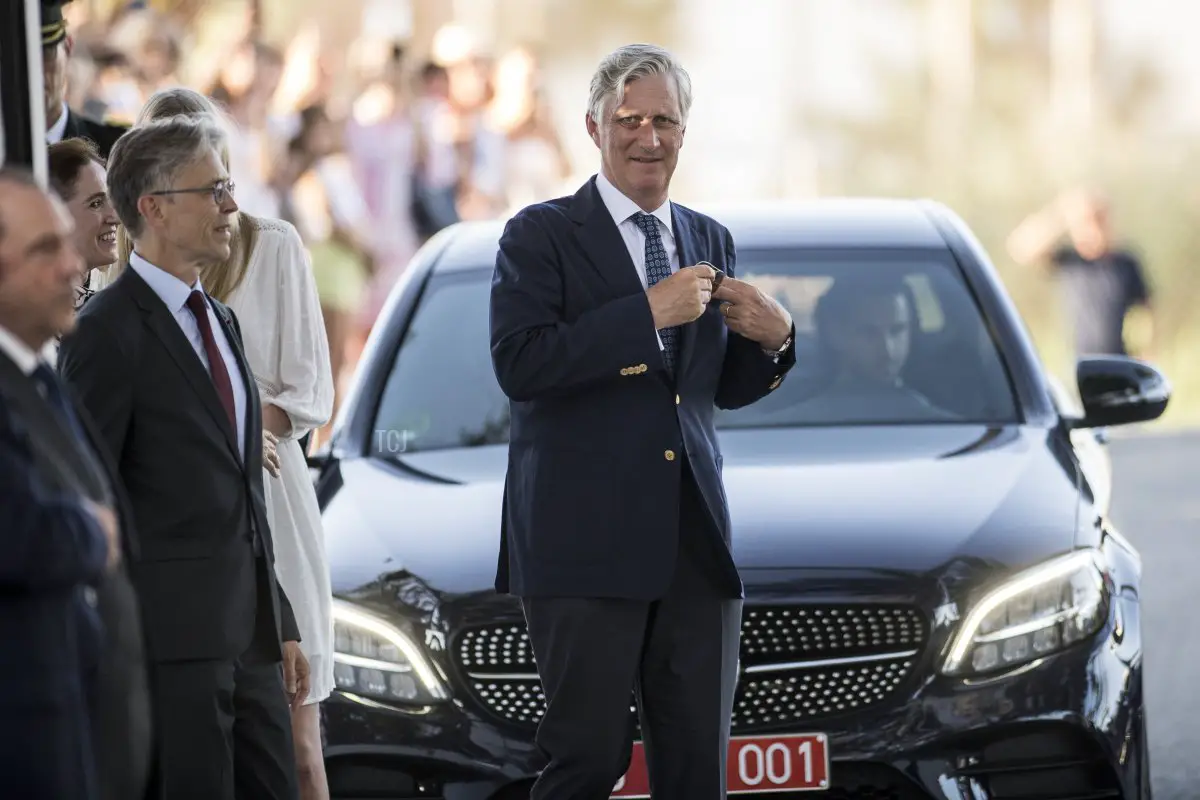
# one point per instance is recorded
(893, 499)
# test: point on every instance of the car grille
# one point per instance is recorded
(798, 662)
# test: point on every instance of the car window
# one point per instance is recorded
(442, 390)
(893, 338)
(881, 338)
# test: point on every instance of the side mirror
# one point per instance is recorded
(1117, 390)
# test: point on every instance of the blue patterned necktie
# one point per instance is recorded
(658, 267)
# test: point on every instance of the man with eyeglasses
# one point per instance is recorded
(160, 366)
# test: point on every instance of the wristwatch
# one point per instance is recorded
(775, 354)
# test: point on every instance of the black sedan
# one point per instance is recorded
(937, 605)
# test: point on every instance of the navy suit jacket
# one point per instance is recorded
(599, 428)
(50, 630)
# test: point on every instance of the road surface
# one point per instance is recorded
(1156, 504)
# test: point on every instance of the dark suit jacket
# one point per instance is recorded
(599, 427)
(196, 505)
(102, 134)
(49, 626)
(119, 695)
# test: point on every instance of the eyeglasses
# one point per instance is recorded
(219, 191)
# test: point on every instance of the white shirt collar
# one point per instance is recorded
(173, 292)
(55, 134)
(622, 208)
(26, 359)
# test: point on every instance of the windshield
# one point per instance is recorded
(884, 338)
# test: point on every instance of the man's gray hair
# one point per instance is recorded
(629, 63)
(148, 158)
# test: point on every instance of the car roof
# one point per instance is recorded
(818, 224)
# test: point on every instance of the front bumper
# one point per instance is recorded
(1069, 727)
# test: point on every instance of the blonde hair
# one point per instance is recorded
(222, 279)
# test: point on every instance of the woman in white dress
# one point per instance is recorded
(268, 282)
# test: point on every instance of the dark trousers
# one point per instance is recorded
(224, 727)
(679, 655)
(123, 735)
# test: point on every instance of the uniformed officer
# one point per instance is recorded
(61, 121)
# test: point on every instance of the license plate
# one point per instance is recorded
(796, 762)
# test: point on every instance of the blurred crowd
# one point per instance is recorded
(371, 153)
(367, 158)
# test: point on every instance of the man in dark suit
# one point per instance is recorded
(63, 122)
(70, 669)
(118, 691)
(616, 534)
(160, 366)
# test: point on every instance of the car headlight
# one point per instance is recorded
(1033, 614)
(374, 658)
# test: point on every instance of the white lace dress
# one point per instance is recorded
(284, 334)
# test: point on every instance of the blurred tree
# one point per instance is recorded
(1018, 140)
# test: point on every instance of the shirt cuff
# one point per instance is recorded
(775, 356)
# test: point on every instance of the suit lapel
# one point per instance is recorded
(252, 463)
(166, 329)
(250, 389)
(110, 472)
(72, 129)
(602, 243)
(69, 456)
(685, 246)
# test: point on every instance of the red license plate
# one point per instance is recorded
(796, 762)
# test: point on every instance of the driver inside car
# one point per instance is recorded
(864, 332)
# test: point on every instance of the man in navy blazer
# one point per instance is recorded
(614, 348)
(59, 531)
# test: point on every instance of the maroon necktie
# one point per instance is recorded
(216, 364)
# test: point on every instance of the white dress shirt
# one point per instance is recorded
(174, 293)
(55, 134)
(19, 352)
(27, 360)
(623, 211)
